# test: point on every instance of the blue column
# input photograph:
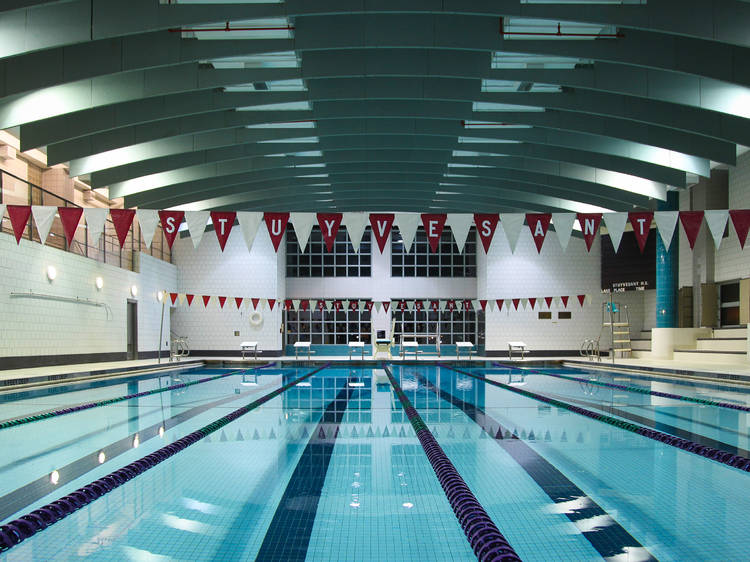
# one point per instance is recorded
(667, 272)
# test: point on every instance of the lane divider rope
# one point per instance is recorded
(724, 457)
(486, 540)
(17, 531)
(63, 411)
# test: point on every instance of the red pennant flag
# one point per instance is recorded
(321, 304)
(433, 227)
(329, 227)
(565, 301)
(271, 303)
(255, 303)
(19, 218)
(402, 305)
(435, 305)
(532, 302)
(223, 223)
(581, 299)
(337, 305)
(515, 303)
(589, 226)
(467, 304)
(222, 300)
(483, 303)
(451, 305)
(538, 225)
(206, 298)
(418, 305)
(500, 303)
(386, 304)
(189, 298)
(288, 304)
(353, 304)
(122, 219)
(548, 300)
(381, 224)
(691, 223)
(70, 217)
(304, 304)
(641, 223)
(173, 296)
(170, 224)
(369, 305)
(276, 224)
(238, 300)
(741, 222)
(486, 225)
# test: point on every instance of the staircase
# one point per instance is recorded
(727, 346)
(617, 320)
(641, 345)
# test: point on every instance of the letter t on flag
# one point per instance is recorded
(329, 227)
(433, 227)
(641, 223)
(223, 223)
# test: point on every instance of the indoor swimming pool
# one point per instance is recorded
(330, 462)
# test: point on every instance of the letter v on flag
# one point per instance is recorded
(538, 225)
(329, 227)
(381, 224)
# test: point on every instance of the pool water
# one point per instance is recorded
(331, 469)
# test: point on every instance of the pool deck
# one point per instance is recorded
(15, 378)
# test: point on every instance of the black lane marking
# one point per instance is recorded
(288, 535)
(609, 540)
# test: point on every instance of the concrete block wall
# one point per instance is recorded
(55, 332)
(236, 272)
(731, 261)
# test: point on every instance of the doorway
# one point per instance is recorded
(132, 330)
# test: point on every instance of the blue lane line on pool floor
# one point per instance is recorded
(609, 538)
(288, 535)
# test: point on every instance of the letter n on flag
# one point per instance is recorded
(433, 227)
(641, 223)
(170, 224)
(381, 224)
(538, 225)
(122, 219)
(486, 225)
(589, 226)
(276, 224)
(329, 227)
(223, 223)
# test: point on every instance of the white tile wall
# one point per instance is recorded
(731, 261)
(47, 327)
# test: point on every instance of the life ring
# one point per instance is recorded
(256, 318)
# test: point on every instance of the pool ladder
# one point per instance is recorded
(178, 347)
(617, 319)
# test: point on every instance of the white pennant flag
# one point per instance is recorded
(147, 221)
(95, 219)
(302, 223)
(2, 212)
(181, 298)
(313, 304)
(295, 304)
(476, 304)
(524, 303)
(717, 222)
(345, 304)
(196, 225)
(249, 223)
(43, 217)
(329, 305)
(460, 224)
(355, 224)
(263, 304)
(426, 304)
(378, 306)
(410, 305)
(491, 304)
(563, 227)
(615, 223)
(361, 304)
(511, 224)
(442, 304)
(407, 224)
(665, 223)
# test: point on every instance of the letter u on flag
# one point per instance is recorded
(276, 224)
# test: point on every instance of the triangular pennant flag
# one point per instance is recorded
(691, 224)
(312, 304)
(95, 219)
(255, 302)
(500, 303)
(206, 300)
(329, 227)
(170, 224)
(451, 305)
(409, 305)
(548, 301)
(511, 224)
(249, 223)
(442, 305)
(70, 217)
(288, 304)
(483, 303)
(433, 224)
(476, 305)
(147, 221)
(381, 224)
(43, 218)
(581, 299)
(276, 225)
(296, 304)
(717, 223)
(563, 227)
(222, 300)
(337, 305)
(263, 304)
(173, 297)
(524, 303)
(641, 223)
(223, 223)
(378, 306)
(459, 224)
(589, 226)
(486, 225)
(386, 306)
(532, 302)
(352, 305)
(515, 303)
(407, 224)
(302, 223)
(196, 225)
(122, 219)
(355, 224)
(329, 305)
(564, 300)
(434, 305)
(492, 305)
(2, 212)
(418, 305)
(741, 222)
(189, 298)
(615, 223)
(238, 302)
(666, 221)
(271, 303)
(345, 304)
(538, 225)
(369, 305)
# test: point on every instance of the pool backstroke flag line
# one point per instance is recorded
(381, 224)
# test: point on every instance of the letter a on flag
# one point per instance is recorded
(276, 224)
(641, 223)
(538, 225)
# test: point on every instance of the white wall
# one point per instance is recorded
(36, 327)
(731, 261)
(234, 273)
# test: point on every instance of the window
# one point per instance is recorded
(729, 295)
(425, 325)
(317, 261)
(337, 327)
(422, 262)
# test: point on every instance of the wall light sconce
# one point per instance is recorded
(134, 290)
(99, 282)
(160, 296)
(51, 272)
